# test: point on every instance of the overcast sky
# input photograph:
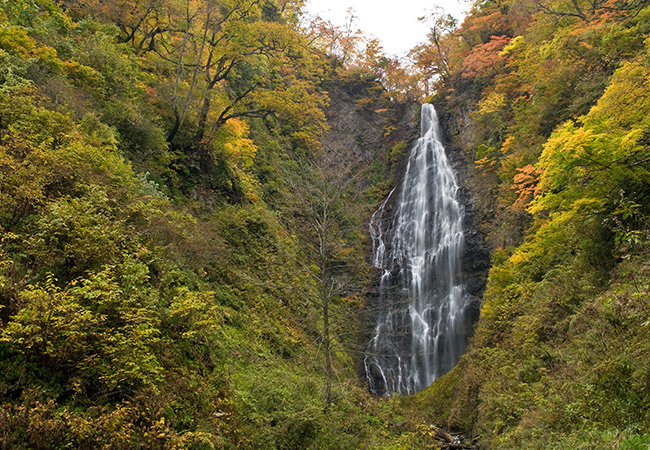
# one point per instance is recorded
(397, 27)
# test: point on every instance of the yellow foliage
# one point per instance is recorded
(239, 149)
(233, 146)
(512, 46)
(494, 102)
(629, 92)
(629, 142)
(508, 145)
(555, 163)
(16, 40)
(46, 53)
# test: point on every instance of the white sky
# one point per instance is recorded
(397, 27)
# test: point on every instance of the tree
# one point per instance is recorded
(219, 44)
(322, 199)
(433, 58)
(340, 43)
(486, 60)
(590, 10)
(218, 60)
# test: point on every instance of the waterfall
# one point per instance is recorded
(422, 327)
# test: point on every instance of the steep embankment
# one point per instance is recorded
(550, 106)
(160, 281)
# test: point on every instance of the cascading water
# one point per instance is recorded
(422, 328)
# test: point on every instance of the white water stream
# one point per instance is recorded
(420, 332)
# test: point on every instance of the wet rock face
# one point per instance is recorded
(476, 256)
(364, 127)
(424, 324)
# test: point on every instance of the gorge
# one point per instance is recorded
(220, 228)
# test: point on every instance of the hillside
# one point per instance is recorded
(161, 278)
(548, 104)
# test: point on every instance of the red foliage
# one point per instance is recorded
(485, 60)
(478, 29)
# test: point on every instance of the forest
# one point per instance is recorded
(185, 192)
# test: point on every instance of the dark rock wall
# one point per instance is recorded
(476, 257)
(366, 126)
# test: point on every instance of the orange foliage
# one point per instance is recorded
(485, 163)
(485, 60)
(476, 30)
(525, 184)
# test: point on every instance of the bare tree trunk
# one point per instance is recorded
(329, 367)
(203, 118)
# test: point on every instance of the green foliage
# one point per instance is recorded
(558, 138)
(102, 339)
(149, 296)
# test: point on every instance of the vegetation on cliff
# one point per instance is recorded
(162, 175)
(549, 104)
